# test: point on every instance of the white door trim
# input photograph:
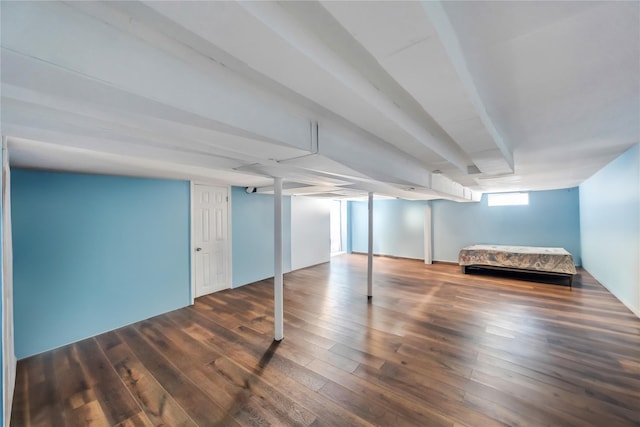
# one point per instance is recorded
(229, 237)
(6, 289)
(192, 247)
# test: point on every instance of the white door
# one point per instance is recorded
(210, 239)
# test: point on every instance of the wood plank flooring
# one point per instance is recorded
(433, 348)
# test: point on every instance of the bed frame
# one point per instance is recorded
(521, 259)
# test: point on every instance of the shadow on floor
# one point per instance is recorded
(244, 394)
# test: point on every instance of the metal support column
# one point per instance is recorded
(278, 317)
(370, 251)
(428, 256)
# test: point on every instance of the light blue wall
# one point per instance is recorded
(610, 227)
(350, 225)
(252, 232)
(551, 219)
(398, 227)
(93, 253)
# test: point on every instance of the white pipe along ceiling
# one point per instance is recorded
(416, 100)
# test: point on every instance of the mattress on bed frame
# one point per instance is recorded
(526, 258)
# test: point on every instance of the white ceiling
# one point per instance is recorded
(417, 100)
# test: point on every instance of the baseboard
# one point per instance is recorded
(413, 259)
(309, 266)
(634, 310)
(388, 256)
(631, 309)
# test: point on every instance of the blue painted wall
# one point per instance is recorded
(610, 227)
(252, 232)
(398, 227)
(552, 218)
(93, 253)
(350, 225)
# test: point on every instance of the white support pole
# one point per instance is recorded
(370, 251)
(278, 317)
(428, 255)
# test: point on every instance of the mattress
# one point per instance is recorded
(531, 258)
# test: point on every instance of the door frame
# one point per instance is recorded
(192, 246)
(7, 344)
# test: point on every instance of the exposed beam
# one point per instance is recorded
(364, 152)
(295, 33)
(173, 104)
(29, 87)
(25, 152)
(157, 68)
(447, 35)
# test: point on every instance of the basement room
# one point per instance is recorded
(320, 213)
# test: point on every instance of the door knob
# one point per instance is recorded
(198, 249)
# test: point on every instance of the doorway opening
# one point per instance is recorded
(338, 227)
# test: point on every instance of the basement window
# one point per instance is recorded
(508, 199)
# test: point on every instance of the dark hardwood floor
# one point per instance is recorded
(434, 348)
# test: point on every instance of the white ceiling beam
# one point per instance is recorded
(289, 29)
(298, 189)
(42, 155)
(65, 138)
(365, 153)
(447, 35)
(139, 80)
(145, 129)
(69, 39)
